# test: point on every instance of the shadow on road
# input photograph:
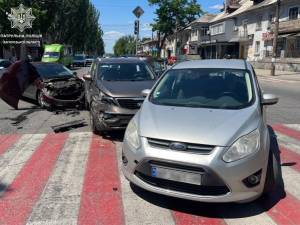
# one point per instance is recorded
(117, 135)
(221, 210)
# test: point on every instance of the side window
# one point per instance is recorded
(6, 64)
(93, 70)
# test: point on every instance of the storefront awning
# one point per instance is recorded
(284, 35)
(267, 39)
(155, 49)
(239, 39)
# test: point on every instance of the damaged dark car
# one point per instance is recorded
(113, 91)
(51, 85)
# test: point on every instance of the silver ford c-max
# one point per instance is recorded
(201, 134)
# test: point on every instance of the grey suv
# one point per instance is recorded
(201, 134)
(113, 91)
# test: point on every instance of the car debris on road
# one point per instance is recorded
(68, 126)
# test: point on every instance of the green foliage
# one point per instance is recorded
(125, 45)
(144, 39)
(74, 22)
(172, 13)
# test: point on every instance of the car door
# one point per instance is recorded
(90, 84)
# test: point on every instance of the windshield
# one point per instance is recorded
(78, 57)
(124, 72)
(90, 57)
(207, 88)
(51, 54)
(54, 71)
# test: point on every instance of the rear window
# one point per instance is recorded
(205, 88)
(124, 72)
(78, 57)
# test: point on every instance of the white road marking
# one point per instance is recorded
(59, 202)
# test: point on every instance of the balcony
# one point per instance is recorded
(240, 33)
(288, 26)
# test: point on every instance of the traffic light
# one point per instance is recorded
(136, 27)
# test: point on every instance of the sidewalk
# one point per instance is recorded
(280, 75)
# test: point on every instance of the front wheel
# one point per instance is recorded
(272, 174)
(40, 100)
(92, 124)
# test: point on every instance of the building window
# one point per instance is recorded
(194, 31)
(258, 23)
(186, 37)
(293, 13)
(271, 17)
(204, 31)
(257, 47)
(217, 29)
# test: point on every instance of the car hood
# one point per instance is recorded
(125, 89)
(15, 80)
(217, 127)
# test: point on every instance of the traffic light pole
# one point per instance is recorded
(137, 36)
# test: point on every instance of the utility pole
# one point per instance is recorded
(275, 38)
(176, 36)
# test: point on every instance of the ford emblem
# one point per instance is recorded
(177, 146)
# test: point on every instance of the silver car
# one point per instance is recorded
(201, 134)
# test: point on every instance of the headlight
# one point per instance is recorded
(107, 99)
(243, 147)
(131, 135)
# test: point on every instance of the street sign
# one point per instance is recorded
(138, 12)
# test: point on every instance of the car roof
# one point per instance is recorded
(213, 63)
(119, 60)
(44, 63)
(1, 60)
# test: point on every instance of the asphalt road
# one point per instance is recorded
(76, 178)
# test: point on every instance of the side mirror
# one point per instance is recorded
(145, 92)
(87, 77)
(269, 99)
(75, 73)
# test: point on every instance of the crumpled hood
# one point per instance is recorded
(125, 89)
(218, 127)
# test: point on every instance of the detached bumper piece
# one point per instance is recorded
(68, 126)
(211, 185)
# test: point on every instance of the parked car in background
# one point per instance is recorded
(51, 85)
(4, 64)
(201, 134)
(113, 91)
(62, 54)
(80, 60)
(90, 59)
(172, 59)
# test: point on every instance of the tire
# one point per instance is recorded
(40, 100)
(272, 174)
(86, 105)
(92, 124)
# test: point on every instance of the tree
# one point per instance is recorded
(125, 45)
(172, 14)
(144, 39)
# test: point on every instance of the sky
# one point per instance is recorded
(117, 19)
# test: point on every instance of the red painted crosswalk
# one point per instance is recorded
(64, 179)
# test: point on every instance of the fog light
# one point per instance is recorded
(253, 179)
(124, 159)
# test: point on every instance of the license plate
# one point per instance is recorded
(175, 175)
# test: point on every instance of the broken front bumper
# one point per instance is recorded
(52, 102)
(112, 117)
